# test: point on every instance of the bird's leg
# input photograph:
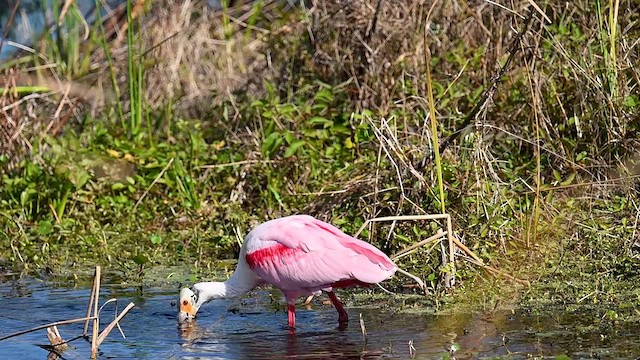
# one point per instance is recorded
(292, 315)
(343, 317)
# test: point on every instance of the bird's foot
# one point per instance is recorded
(343, 317)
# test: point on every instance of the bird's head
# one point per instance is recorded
(192, 299)
(188, 305)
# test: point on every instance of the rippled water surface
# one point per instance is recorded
(254, 328)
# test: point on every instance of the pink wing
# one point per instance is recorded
(302, 254)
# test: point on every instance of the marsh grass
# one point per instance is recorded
(135, 76)
(223, 119)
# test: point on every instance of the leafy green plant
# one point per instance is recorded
(45, 187)
(185, 184)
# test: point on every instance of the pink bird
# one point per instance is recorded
(301, 256)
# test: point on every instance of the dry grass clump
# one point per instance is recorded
(379, 45)
(566, 111)
(46, 105)
(200, 55)
(197, 57)
(371, 43)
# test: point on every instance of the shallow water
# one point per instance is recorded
(254, 328)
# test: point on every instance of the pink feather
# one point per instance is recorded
(301, 255)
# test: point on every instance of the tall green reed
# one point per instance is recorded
(136, 76)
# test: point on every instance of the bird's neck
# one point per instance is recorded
(241, 281)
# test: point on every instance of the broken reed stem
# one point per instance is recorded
(363, 329)
(420, 217)
(96, 321)
(91, 297)
(113, 324)
(401, 217)
(417, 279)
(466, 250)
(56, 340)
(435, 237)
(63, 322)
(453, 241)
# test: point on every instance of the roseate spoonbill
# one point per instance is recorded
(301, 256)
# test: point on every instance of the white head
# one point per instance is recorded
(192, 299)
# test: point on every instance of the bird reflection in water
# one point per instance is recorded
(252, 340)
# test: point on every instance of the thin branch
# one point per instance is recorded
(8, 26)
(488, 93)
(401, 217)
(63, 322)
(108, 329)
(235, 163)
(153, 183)
(435, 237)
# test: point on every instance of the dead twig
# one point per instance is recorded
(63, 322)
(404, 251)
(9, 22)
(96, 321)
(488, 93)
(56, 340)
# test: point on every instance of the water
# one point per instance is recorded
(254, 328)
